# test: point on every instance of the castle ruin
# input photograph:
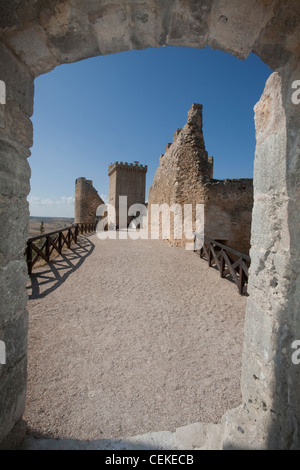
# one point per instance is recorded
(87, 200)
(185, 176)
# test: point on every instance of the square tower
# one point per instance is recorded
(126, 179)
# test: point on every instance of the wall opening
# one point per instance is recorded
(39, 413)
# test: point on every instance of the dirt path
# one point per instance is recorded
(127, 337)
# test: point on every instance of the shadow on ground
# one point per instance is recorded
(163, 440)
(48, 278)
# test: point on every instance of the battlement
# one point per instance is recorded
(125, 166)
(83, 180)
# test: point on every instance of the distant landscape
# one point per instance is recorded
(50, 224)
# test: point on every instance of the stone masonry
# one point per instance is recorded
(126, 179)
(185, 176)
(87, 200)
(35, 37)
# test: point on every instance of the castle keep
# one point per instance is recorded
(126, 179)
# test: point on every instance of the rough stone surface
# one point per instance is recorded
(126, 179)
(184, 176)
(47, 33)
(87, 200)
(12, 396)
(14, 172)
(14, 218)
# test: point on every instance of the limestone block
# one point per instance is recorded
(12, 397)
(111, 27)
(187, 23)
(14, 335)
(286, 23)
(14, 172)
(244, 432)
(236, 25)
(14, 219)
(68, 30)
(32, 48)
(16, 436)
(9, 17)
(191, 436)
(19, 82)
(16, 128)
(13, 294)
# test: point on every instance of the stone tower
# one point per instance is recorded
(87, 200)
(127, 179)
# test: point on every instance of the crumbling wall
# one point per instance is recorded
(228, 212)
(184, 176)
(87, 200)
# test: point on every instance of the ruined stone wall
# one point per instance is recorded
(184, 176)
(228, 212)
(87, 200)
(182, 171)
(127, 179)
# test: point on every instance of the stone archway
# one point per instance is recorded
(35, 37)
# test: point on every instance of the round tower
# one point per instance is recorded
(87, 200)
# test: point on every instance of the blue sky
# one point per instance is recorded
(127, 106)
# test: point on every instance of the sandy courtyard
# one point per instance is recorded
(127, 337)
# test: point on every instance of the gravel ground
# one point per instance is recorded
(127, 337)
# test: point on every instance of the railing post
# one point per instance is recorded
(59, 242)
(29, 257)
(76, 234)
(69, 238)
(209, 255)
(48, 248)
(241, 277)
(222, 263)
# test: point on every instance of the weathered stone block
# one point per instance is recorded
(17, 128)
(16, 436)
(31, 46)
(14, 173)
(236, 25)
(12, 397)
(14, 335)
(187, 23)
(19, 83)
(13, 278)
(14, 220)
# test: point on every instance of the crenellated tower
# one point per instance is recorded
(127, 179)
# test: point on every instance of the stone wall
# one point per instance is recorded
(15, 140)
(87, 200)
(184, 176)
(228, 212)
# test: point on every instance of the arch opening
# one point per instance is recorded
(37, 41)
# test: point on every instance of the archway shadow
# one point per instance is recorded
(49, 277)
